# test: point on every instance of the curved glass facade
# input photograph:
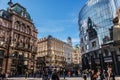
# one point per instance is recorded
(101, 13)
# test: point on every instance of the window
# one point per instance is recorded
(94, 44)
(106, 52)
(17, 25)
(86, 47)
(1, 53)
(86, 37)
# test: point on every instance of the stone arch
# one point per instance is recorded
(18, 63)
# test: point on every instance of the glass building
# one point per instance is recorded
(95, 20)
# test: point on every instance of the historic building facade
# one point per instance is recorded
(51, 50)
(68, 51)
(76, 56)
(51, 53)
(18, 37)
(95, 22)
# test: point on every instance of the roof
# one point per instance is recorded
(5, 14)
(20, 10)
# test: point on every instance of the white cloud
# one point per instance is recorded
(75, 40)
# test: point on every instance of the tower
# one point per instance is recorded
(10, 3)
(69, 40)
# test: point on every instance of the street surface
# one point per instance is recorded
(71, 78)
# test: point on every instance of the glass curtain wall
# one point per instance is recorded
(101, 13)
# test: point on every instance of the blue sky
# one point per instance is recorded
(58, 18)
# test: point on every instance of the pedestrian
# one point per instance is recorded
(26, 74)
(91, 73)
(84, 74)
(109, 71)
(95, 76)
(3, 75)
(45, 75)
(69, 73)
(78, 71)
(99, 75)
(55, 75)
(0, 76)
(6, 75)
(64, 73)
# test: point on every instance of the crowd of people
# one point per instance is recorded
(46, 74)
(54, 74)
(99, 74)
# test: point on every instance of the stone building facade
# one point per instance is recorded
(76, 57)
(51, 53)
(18, 37)
(52, 50)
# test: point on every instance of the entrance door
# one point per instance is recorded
(18, 64)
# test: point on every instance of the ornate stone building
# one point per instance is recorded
(76, 56)
(68, 52)
(51, 49)
(18, 37)
(51, 52)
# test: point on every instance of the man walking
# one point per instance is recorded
(55, 75)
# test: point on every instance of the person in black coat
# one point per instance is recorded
(2, 76)
(55, 75)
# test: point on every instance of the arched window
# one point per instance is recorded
(23, 28)
(17, 24)
(27, 41)
(28, 30)
(15, 54)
